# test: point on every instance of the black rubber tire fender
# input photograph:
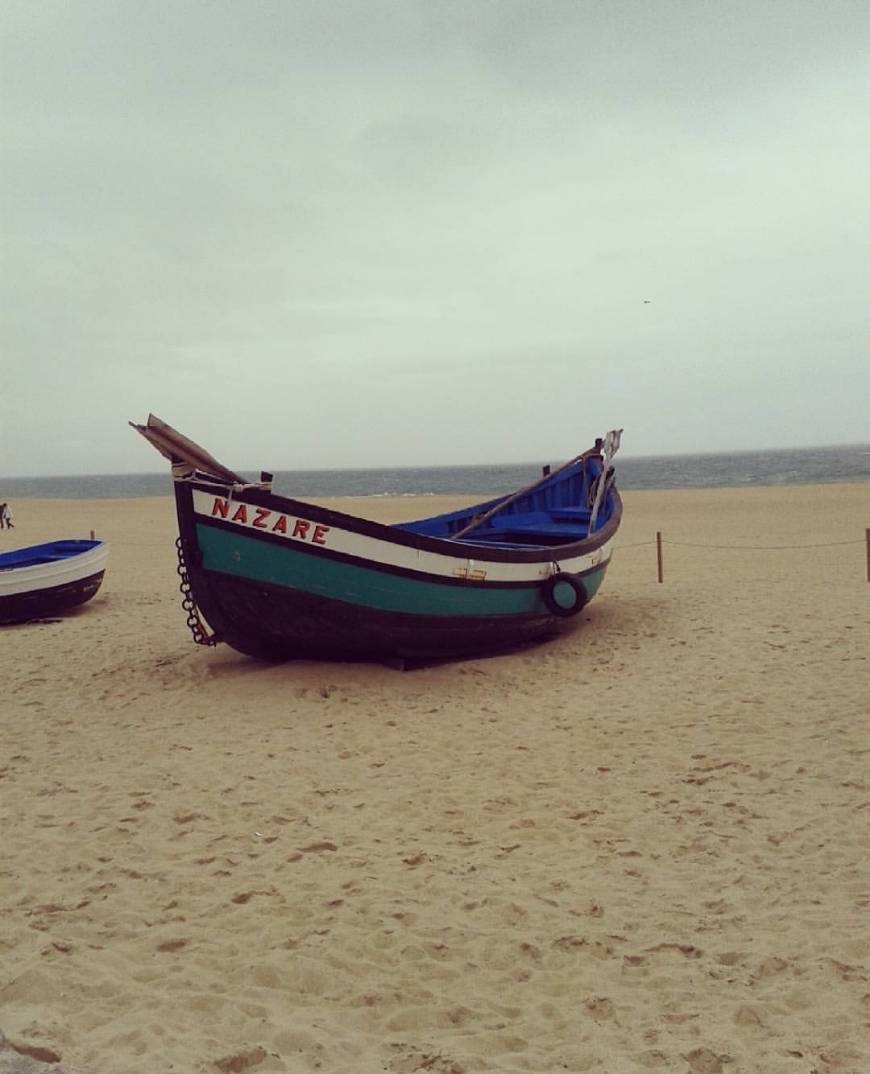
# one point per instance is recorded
(554, 588)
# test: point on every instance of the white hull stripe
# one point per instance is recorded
(47, 575)
(298, 531)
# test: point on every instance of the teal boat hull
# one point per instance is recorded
(370, 591)
(279, 578)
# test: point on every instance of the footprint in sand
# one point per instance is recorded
(241, 1061)
(172, 945)
(703, 1061)
(748, 1018)
(601, 1009)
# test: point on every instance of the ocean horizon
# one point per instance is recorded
(781, 466)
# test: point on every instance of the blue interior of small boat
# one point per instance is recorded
(557, 511)
(45, 553)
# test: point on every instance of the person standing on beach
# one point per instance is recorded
(5, 517)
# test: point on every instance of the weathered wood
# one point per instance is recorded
(178, 448)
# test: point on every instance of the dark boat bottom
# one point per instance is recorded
(399, 660)
(38, 604)
(274, 624)
(420, 663)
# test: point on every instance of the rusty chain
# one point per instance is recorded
(195, 624)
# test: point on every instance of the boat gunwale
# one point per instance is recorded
(94, 545)
(466, 550)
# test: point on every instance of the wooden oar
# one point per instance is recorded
(608, 449)
(480, 519)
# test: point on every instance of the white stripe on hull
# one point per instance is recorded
(375, 550)
(47, 575)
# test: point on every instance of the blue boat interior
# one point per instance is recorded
(556, 511)
(53, 552)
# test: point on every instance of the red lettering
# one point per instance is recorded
(301, 528)
(241, 514)
(319, 535)
(281, 525)
(220, 507)
(260, 521)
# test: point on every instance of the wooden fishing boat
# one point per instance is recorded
(277, 578)
(46, 579)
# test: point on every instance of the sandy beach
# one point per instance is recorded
(640, 847)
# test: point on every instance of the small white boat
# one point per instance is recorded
(45, 579)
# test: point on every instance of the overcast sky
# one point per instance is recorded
(418, 232)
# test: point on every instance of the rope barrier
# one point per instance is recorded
(736, 547)
(661, 541)
(760, 547)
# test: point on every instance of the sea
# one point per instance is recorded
(799, 466)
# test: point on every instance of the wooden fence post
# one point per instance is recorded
(659, 554)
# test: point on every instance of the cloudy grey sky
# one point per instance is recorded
(428, 232)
